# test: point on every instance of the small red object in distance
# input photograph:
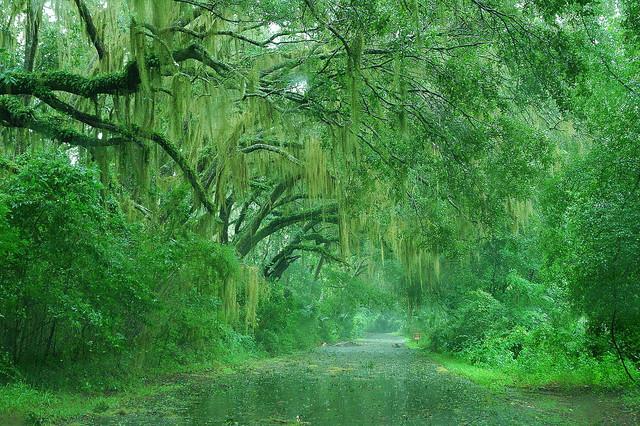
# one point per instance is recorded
(416, 336)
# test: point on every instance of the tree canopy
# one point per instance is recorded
(486, 151)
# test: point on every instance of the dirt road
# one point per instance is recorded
(373, 381)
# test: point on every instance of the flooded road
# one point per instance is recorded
(372, 381)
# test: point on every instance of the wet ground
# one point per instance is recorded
(373, 381)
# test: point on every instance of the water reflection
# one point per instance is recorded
(370, 384)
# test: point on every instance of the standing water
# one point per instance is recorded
(372, 381)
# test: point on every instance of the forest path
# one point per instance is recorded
(373, 381)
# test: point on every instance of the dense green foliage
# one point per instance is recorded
(190, 182)
(80, 281)
(559, 302)
(518, 317)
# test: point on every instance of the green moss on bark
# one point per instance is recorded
(121, 82)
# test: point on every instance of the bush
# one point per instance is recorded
(289, 320)
(59, 284)
(525, 344)
(478, 316)
(80, 283)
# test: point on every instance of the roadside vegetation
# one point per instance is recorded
(196, 185)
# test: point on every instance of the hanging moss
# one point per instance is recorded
(180, 100)
(7, 40)
(400, 87)
(229, 301)
(253, 284)
(317, 163)
(101, 157)
(520, 212)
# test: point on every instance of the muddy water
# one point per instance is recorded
(374, 381)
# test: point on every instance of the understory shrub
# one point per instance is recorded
(522, 333)
(78, 282)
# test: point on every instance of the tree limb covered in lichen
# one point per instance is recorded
(122, 82)
(116, 83)
(14, 114)
(271, 148)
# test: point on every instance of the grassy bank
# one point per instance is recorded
(109, 391)
(22, 403)
(567, 382)
(488, 377)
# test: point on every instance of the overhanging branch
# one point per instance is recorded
(14, 114)
(271, 148)
(324, 213)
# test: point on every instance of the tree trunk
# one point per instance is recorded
(617, 347)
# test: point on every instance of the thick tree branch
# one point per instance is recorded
(244, 241)
(281, 261)
(122, 82)
(326, 213)
(92, 32)
(320, 250)
(14, 114)
(117, 83)
(285, 257)
(197, 52)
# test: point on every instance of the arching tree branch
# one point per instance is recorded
(271, 148)
(249, 241)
